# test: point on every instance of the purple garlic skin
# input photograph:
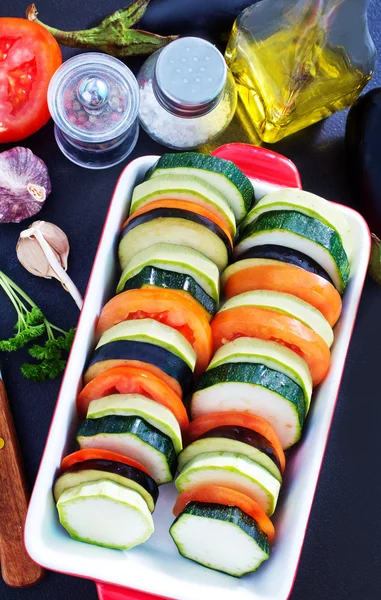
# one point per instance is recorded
(24, 184)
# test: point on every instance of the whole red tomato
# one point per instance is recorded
(29, 55)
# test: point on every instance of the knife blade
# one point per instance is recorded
(18, 569)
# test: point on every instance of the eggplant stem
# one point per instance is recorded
(57, 268)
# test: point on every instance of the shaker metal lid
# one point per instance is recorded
(93, 97)
(190, 75)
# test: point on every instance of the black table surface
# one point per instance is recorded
(342, 551)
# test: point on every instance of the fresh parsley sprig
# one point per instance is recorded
(32, 324)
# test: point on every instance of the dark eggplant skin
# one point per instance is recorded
(363, 151)
(121, 469)
(246, 436)
(163, 359)
(292, 257)
(156, 277)
(210, 19)
(178, 213)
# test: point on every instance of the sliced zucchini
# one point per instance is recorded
(151, 332)
(178, 227)
(308, 204)
(100, 469)
(256, 389)
(294, 230)
(233, 471)
(133, 437)
(223, 174)
(219, 537)
(181, 260)
(287, 304)
(128, 405)
(105, 514)
(272, 355)
(152, 276)
(222, 444)
(287, 255)
(189, 188)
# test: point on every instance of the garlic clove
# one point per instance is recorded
(43, 250)
(31, 254)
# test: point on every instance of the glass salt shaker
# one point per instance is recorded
(94, 101)
(187, 94)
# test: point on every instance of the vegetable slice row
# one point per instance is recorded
(152, 337)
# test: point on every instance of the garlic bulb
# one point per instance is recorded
(24, 184)
(43, 250)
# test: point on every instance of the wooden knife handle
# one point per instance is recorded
(18, 569)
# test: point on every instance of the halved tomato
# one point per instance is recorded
(266, 324)
(98, 454)
(217, 494)
(183, 205)
(205, 423)
(29, 56)
(132, 380)
(167, 306)
(282, 277)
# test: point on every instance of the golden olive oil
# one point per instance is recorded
(292, 78)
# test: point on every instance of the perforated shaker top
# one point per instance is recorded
(191, 73)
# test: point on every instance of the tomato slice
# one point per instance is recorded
(97, 454)
(132, 380)
(206, 423)
(289, 279)
(184, 205)
(266, 324)
(216, 494)
(29, 56)
(99, 368)
(166, 306)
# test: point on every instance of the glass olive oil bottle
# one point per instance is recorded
(298, 61)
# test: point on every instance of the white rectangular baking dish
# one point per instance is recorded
(156, 567)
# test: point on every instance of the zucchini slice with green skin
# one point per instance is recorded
(152, 276)
(188, 188)
(286, 255)
(179, 260)
(219, 537)
(256, 389)
(294, 230)
(174, 226)
(106, 514)
(222, 444)
(120, 352)
(133, 437)
(308, 204)
(233, 471)
(151, 332)
(137, 405)
(272, 355)
(287, 304)
(223, 174)
(100, 469)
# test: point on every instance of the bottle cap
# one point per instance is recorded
(190, 76)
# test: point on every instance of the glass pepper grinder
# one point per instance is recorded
(187, 94)
(94, 101)
(298, 61)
